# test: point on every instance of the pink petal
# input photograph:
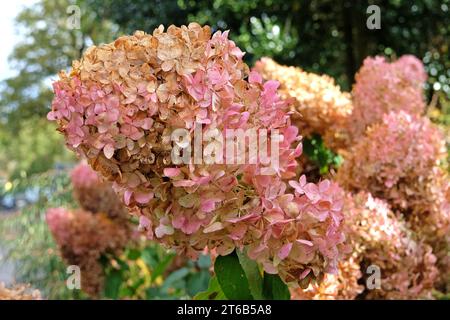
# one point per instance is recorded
(127, 197)
(144, 222)
(312, 192)
(172, 172)
(307, 242)
(255, 77)
(142, 197)
(324, 185)
(285, 250)
(208, 205)
(305, 273)
(269, 268)
(184, 183)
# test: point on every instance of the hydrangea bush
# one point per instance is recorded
(121, 104)
(378, 238)
(398, 156)
(401, 160)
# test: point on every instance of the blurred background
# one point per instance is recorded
(41, 37)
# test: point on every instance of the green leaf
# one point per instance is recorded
(162, 266)
(275, 288)
(214, 292)
(112, 284)
(232, 278)
(197, 282)
(134, 254)
(204, 261)
(175, 278)
(252, 273)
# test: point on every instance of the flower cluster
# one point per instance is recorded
(122, 102)
(395, 160)
(301, 241)
(430, 220)
(399, 160)
(341, 286)
(95, 195)
(18, 292)
(83, 238)
(381, 239)
(319, 106)
(382, 87)
(101, 227)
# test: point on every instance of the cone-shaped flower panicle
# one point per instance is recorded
(122, 107)
(395, 160)
(382, 87)
(83, 237)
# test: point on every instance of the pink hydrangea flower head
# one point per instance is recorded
(382, 87)
(83, 238)
(120, 106)
(95, 195)
(381, 239)
(82, 175)
(394, 159)
(58, 220)
(101, 227)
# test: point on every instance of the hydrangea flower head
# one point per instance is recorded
(394, 159)
(82, 176)
(382, 87)
(95, 195)
(379, 239)
(102, 226)
(82, 238)
(120, 106)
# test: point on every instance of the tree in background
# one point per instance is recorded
(323, 36)
(29, 144)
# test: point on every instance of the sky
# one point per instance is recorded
(9, 9)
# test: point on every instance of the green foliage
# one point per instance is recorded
(28, 241)
(232, 278)
(274, 288)
(237, 277)
(148, 271)
(48, 46)
(252, 273)
(318, 153)
(144, 271)
(34, 148)
(318, 35)
(182, 283)
(214, 292)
